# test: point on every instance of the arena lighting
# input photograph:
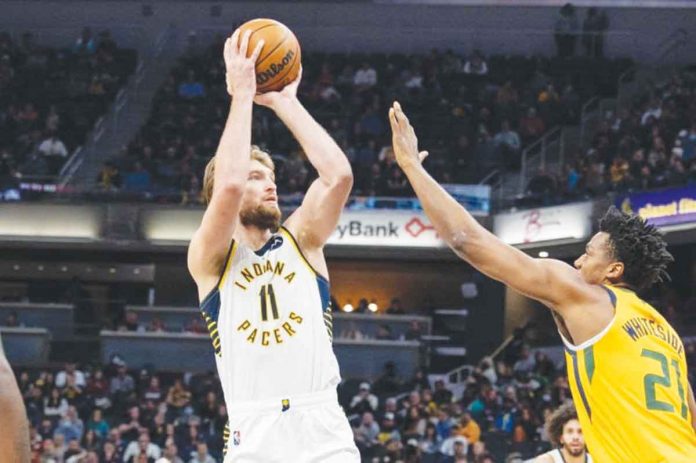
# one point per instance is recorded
(348, 308)
(372, 307)
(543, 254)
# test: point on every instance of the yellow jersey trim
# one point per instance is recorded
(292, 239)
(228, 264)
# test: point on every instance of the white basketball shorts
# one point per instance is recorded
(302, 429)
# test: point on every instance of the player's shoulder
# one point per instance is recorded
(547, 457)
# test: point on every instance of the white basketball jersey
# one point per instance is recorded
(270, 322)
(558, 456)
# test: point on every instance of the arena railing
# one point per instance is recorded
(545, 152)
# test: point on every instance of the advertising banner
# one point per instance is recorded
(664, 207)
(385, 228)
(570, 221)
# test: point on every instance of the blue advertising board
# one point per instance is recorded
(664, 207)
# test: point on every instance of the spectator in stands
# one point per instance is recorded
(85, 43)
(109, 453)
(454, 450)
(138, 179)
(153, 391)
(48, 452)
(70, 371)
(157, 325)
(54, 151)
(201, 455)
(364, 400)
(98, 389)
(351, 332)
(395, 307)
(594, 27)
(366, 433)
(142, 446)
(444, 424)
(441, 395)
(653, 112)
(131, 322)
(566, 31)
(98, 424)
(122, 385)
(365, 78)
(195, 325)
(384, 333)
(508, 144)
(415, 331)
(687, 139)
(476, 64)
(178, 398)
(191, 88)
(109, 177)
(55, 406)
(531, 126)
(71, 426)
(170, 454)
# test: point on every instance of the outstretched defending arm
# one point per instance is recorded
(549, 281)
(14, 439)
(211, 241)
(317, 217)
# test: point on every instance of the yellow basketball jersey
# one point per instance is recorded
(629, 385)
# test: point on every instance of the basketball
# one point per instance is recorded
(279, 61)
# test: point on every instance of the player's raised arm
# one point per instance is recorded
(211, 241)
(552, 282)
(317, 217)
(14, 439)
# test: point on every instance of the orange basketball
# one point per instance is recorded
(280, 59)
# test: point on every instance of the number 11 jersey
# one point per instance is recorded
(270, 323)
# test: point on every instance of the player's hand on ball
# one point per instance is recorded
(404, 140)
(274, 99)
(240, 73)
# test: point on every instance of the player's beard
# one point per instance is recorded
(575, 451)
(261, 216)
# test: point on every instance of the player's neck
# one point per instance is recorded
(568, 458)
(251, 236)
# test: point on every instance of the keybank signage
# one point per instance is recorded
(385, 228)
(665, 207)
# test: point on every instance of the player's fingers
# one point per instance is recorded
(396, 109)
(234, 40)
(400, 115)
(392, 120)
(257, 51)
(244, 45)
(422, 155)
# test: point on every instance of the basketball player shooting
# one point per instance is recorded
(263, 287)
(626, 364)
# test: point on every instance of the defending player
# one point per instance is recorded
(566, 436)
(264, 287)
(14, 438)
(626, 365)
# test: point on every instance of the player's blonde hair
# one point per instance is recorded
(257, 154)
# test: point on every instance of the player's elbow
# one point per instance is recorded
(345, 178)
(461, 242)
(342, 180)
